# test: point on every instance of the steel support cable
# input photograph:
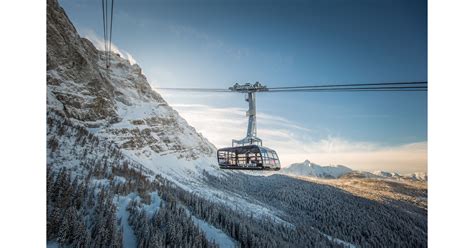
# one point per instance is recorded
(111, 22)
(374, 86)
(304, 91)
(348, 85)
(334, 89)
(105, 28)
(107, 33)
(350, 88)
(197, 89)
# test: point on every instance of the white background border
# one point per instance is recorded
(450, 123)
(23, 123)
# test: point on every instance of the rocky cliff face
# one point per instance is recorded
(116, 104)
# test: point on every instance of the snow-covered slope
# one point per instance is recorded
(417, 176)
(309, 169)
(360, 174)
(118, 104)
(420, 176)
(386, 174)
(339, 171)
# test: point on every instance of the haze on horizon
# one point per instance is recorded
(214, 44)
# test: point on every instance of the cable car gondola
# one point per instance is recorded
(248, 153)
(249, 157)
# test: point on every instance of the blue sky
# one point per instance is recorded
(284, 43)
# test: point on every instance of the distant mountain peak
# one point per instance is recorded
(307, 168)
(417, 176)
(310, 169)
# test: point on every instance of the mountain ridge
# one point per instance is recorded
(117, 103)
(310, 169)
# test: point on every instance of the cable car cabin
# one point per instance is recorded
(249, 157)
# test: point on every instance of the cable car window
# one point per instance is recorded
(250, 157)
(274, 155)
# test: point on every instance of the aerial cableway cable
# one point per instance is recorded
(302, 90)
(110, 35)
(396, 88)
(104, 24)
(374, 87)
(107, 26)
(349, 85)
(197, 89)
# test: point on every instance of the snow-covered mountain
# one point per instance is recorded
(310, 169)
(340, 171)
(360, 175)
(418, 176)
(386, 174)
(118, 105)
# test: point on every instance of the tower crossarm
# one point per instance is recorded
(247, 88)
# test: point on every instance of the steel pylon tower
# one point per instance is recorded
(250, 90)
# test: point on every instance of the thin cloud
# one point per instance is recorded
(100, 45)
